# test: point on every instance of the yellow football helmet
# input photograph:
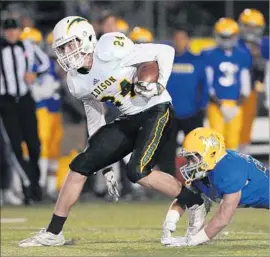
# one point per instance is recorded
(226, 32)
(252, 25)
(49, 39)
(203, 148)
(122, 26)
(141, 35)
(49, 42)
(32, 34)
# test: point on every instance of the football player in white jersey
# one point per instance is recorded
(104, 71)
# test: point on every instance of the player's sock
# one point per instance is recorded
(188, 198)
(56, 224)
(52, 177)
(51, 185)
(43, 166)
(171, 220)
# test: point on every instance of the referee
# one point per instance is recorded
(17, 107)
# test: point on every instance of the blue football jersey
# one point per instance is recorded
(239, 172)
(265, 48)
(54, 103)
(227, 67)
(187, 85)
(242, 44)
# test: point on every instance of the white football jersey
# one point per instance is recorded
(113, 71)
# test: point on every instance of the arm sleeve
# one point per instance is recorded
(95, 115)
(210, 78)
(163, 54)
(245, 82)
(42, 58)
(30, 55)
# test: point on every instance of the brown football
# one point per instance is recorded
(148, 72)
(180, 161)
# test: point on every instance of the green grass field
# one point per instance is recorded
(130, 229)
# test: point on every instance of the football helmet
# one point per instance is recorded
(203, 148)
(122, 26)
(49, 39)
(252, 23)
(73, 39)
(226, 32)
(32, 34)
(49, 42)
(141, 35)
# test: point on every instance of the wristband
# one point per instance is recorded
(199, 238)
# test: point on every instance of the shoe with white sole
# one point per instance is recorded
(196, 217)
(43, 238)
(10, 198)
(168, 229)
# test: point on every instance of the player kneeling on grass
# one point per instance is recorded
(105, 71)
(238, 179)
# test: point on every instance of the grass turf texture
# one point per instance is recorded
(130, 229)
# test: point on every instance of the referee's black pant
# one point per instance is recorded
(19, 119)
(166, 161)
(4, 174)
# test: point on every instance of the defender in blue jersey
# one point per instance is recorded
(265, 54)
(235, 178)
(227, 67)
(252, 25)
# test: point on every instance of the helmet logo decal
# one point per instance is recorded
(209, 142)
(77, 20)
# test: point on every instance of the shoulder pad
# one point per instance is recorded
(114, 45)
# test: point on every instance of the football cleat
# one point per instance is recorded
(196, 217)
(43, 238)
(168, 229)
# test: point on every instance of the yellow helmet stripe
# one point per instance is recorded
(77, 20)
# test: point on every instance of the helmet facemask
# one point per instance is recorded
(226, 42)
(73, 58)
(194, 169)
(251, 33)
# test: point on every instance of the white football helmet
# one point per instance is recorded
(73, 38)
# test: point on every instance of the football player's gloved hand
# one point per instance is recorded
(200, 238)
(229, 112)
(111, 183)
(148, 89)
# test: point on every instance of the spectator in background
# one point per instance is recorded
(251, 22)
(48, 116)
(265, 54)
(106, 23)
(17, 107)
(7, 196)
(229, 81)
(122, 26)
(141, 35)
(189, 91)
(56, 125)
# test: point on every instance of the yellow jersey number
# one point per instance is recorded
(119, 41)
(126, 88)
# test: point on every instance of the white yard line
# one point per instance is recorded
(13, 220)
(244, 232)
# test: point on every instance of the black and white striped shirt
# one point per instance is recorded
(17, 59)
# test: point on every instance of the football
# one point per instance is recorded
(148, 72)
(180, 161)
